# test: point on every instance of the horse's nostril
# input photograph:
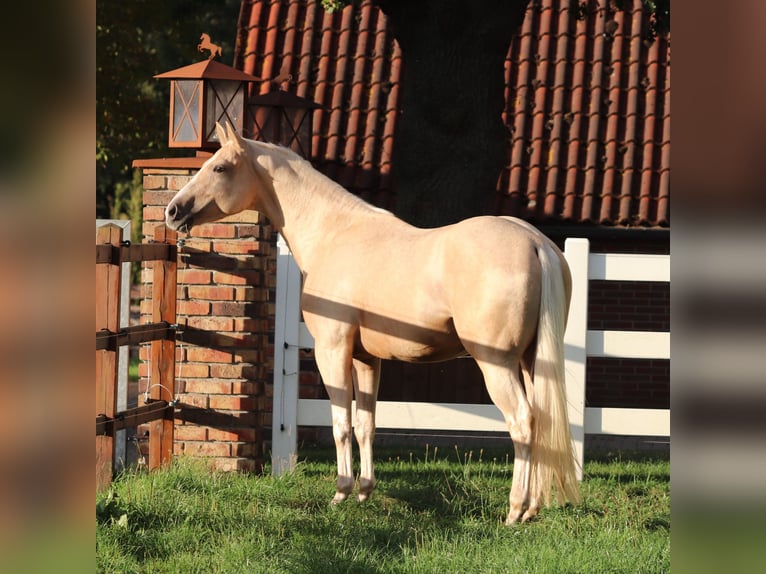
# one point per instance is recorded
(172, 211)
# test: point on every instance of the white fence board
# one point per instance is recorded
(628, 344)
(637, 422)
(413, 415)
(629, 267)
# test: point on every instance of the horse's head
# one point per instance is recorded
(225, 185)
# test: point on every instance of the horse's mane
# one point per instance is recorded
(321, 185)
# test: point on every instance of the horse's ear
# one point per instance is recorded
(234, 136)
(222, 137)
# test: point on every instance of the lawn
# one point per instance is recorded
(432, 512)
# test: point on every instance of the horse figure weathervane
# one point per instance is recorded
(206, 44)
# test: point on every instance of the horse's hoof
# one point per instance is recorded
(366, 486)
(530, 514)
(515, 514)
(338, 498)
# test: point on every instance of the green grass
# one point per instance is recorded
(133, 369)
(432, 512)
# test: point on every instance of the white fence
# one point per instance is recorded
(291, 335)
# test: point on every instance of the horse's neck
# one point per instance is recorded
(311, 207)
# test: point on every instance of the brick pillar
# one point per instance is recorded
(224, 354)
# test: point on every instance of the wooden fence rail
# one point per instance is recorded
(111, 252)
(291, 335)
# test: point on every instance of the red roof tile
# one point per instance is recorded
(587, 104)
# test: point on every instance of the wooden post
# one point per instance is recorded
(107, 317)
(163, 352)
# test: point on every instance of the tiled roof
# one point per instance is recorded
(587, 104)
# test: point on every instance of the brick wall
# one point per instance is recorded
(224, 355)
(628, 306)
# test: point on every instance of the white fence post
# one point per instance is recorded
(284, 425)
(576, 251)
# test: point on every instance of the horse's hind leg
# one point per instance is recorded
(335, 367)
(505, 389)
(366, 382)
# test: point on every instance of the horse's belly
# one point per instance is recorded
(414, 345)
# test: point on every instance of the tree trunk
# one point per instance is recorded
(451, 142)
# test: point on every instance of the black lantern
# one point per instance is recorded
(282, 118)
(201, 95)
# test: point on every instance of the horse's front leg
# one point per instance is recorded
(366, 381)
(334, 364)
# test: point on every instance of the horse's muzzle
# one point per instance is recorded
(178, 215)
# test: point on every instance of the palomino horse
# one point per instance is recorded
(377, 288)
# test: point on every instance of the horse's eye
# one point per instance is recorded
(219, 168)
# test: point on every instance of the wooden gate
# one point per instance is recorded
(111, 252)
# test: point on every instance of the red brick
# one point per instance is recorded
(308, 392)
(246, 450)
(248, 294)
(248, 355)
(192, 370)
(207, 448)
(251, 231)
(193, 307)
(230, 308)
(247, 388)
(154, 214)
(190, 432)
(208, 386)
(233, 435)
(239, 278)
(199, 401)
(204, 355)
(153, 182)
(159, 197)
(211, 323)
(194, 276)
(215, 230)
(241, 246)
(251, 325)
(232, 403)
(214, 293)
(227, 371)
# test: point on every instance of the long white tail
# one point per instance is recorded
(553, 460)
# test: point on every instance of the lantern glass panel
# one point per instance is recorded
(225, 103)
(186, 111)
(297, 130)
